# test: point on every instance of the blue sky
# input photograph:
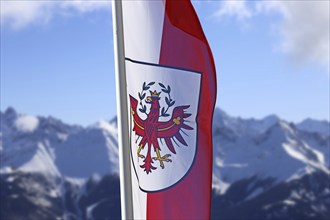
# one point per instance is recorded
(57, 58)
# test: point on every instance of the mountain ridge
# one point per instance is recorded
(256, 155)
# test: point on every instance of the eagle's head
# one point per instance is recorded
(153, 98)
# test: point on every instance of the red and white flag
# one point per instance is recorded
(171, 93)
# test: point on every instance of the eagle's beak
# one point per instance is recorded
(148, 99)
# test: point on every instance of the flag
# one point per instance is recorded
(171, 93)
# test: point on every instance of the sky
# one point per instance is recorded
(272, 57)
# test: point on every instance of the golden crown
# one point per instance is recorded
(154, 94)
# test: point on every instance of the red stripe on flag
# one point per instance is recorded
(182, 15)
(184, 46)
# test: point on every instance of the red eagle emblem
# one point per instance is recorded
(152, 130)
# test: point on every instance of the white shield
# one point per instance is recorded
(185, 90)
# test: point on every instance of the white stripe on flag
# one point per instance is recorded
(143, 28)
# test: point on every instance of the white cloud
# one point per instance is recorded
(303, 29)
(27, 123)
(233, 8)
(19, 14)
(85, 5)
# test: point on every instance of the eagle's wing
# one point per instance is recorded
(170, 129)
(138, 122)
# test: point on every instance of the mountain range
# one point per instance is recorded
(262, 168)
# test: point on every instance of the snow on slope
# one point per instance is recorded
(47, 145)
(316, 134)
(268, 148)
(88, 152)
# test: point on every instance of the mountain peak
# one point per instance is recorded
(287, 129)
(10, 112)
(114, 121)
(106, 126)
(272, 119)
(315, 126)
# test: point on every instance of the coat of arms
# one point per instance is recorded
(151, 130)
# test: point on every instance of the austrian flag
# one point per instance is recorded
(171, 93)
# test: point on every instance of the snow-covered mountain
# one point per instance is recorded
(315, 126)
(47, 145)
(267, 148)
(50, 169)
(46, 165)
(270, 169)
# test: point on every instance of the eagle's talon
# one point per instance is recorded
(161, 159)
(139, 150)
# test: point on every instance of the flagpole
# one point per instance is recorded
(122, 112)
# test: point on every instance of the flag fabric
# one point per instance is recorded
(171, 87)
